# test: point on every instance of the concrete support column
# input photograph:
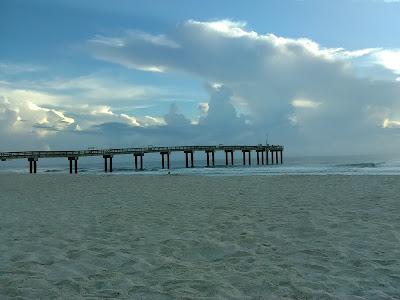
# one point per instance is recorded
(267, 157)
(187, 158)
(258, 157)
(276, 157)
(272, 157)
(232, 157)
(281, 157)
(262, 157)
(244, 157)
(106, 157)
(163, 159)
(140, 156)
(208, 152)
(226, 158)
(249, 158)
(75, 159)
(32, 164)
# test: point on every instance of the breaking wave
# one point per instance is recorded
(362, 165)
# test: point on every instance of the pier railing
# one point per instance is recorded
(150, 149)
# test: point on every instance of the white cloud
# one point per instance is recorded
(304, 103)
(274, 78)
(22, 116)
(203, 107)
(390, 59)
(131, 120)
(102, 110)
(97, 87)
(387, 123)
(358, 53)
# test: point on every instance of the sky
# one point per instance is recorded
(319, 77)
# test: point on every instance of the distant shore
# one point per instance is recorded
(233, 237)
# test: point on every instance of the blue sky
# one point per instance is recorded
(163, 72)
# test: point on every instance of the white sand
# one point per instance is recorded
(146, 237)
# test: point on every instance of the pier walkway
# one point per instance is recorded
(138, 153)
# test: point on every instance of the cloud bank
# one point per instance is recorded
(307, 97)
(302, 94)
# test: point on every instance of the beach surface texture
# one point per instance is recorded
(169, 237)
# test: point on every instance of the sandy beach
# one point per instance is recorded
(168, 237)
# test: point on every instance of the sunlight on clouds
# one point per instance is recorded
(304, 103)
(39, 97)
(225, 27)
(22, 117)
(130, 120)
(152, 121)
(390, 59)
(387, 123)
(360, 52)
(102, 110)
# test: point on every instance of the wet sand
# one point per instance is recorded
(160, 237)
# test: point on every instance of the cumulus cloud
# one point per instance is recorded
(25, 124)
(390, 59)
(301, 93)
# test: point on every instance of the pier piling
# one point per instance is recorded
(106, 157)
(212, 157)
(139, 155)
(163, 160)
(226, 157)
(244, 157)
(187, 152)
(32, 164)
(75, 159)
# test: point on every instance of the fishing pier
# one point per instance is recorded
(273, 151)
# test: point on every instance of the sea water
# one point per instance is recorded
(292, 165)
